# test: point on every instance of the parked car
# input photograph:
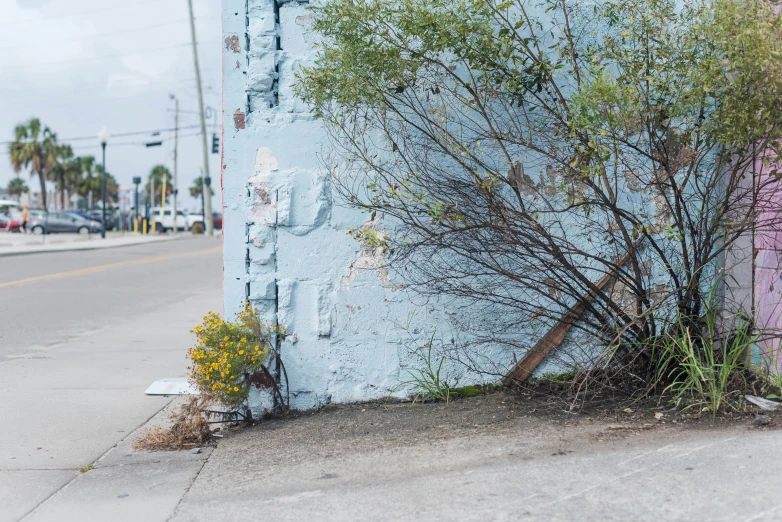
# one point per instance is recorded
(198, 217)
(54, 222)
(97, 215)
(83, 213)
(165, 222)
(13, 221)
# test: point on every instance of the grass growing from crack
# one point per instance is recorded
(429, 382)
(88, 467)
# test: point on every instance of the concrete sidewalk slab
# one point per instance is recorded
(64, 406)
(126, 484)
(490, 462)
(93, 243)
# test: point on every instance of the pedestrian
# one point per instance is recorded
(25, 218)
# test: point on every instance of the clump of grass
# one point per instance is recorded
(429, 382)
(704, 366)
(189, 427)
(88, 467)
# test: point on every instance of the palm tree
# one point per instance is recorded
(112, 187)
(196, 189)
(158, 174)
(34, 146)
(87, 183)
(16, 187)
(91, 181)
(73, 175)
(63, 165)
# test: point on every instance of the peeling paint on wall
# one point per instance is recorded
(289, 250)
(232, 43)
(370, 258)
(239, 122)
(263, 208)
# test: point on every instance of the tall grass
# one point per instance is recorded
(429, 381)
(702, 364)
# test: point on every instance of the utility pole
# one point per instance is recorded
(176, 186)
(208, 223)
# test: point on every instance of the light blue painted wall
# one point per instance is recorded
(353, 333)
(287, 247)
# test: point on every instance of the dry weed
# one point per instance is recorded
(189, 427)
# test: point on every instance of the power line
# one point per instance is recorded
(90, 37)
(132, 133)
(129, 143)
(78, 91)
(94, 58)
(81, 88)
(116, 135)
(93, 102)
(60, 17)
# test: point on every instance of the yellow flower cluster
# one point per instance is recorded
(228, 354)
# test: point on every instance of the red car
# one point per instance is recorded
(9, 224)
(217, 219)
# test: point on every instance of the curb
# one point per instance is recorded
(77, 246)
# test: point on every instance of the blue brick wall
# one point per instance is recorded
(287, 246)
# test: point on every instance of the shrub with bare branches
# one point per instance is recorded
(515, 152)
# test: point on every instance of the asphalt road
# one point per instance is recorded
(82, 335)
(47, 299)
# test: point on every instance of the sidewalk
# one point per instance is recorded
(12, 244)
(485, 458)
(73, 405)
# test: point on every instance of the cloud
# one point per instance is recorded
(82, 64)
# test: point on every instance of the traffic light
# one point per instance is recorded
(215, 144)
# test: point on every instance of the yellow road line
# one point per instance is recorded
(102, 268)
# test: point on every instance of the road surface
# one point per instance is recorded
(82, 334)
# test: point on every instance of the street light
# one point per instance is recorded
(103, 136)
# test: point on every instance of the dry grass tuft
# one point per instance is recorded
(189, 428)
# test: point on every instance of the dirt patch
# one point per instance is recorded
(543, 421)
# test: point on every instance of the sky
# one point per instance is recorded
(82, 65)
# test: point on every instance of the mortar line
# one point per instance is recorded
(277, 49)
(74, 479)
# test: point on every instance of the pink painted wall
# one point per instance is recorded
(768, 266)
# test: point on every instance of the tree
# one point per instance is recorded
(88, 183)
(514, 151)
(65, 171)
(196, 189)
(158, 173)
(112, 187)
(73, 175)
(92, 181)
(17, 187)
(34, 147)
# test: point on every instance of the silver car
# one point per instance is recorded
(54, 222)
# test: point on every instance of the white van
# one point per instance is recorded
(8, 206)
(166, 222)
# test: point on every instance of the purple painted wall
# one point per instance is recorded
(768, 268)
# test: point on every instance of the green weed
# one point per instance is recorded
(429, 382)
(704, 367)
